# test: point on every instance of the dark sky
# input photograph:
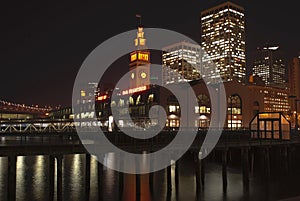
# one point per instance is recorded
(44, 44)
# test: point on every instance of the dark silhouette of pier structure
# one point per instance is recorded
(56, 138)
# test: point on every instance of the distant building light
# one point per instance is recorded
(110, 123)
(100, 98)
(173, 116)
(273, 48)
(203, 117)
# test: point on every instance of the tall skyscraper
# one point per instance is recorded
(181, 62)
(140, 61)
(223, 39)
(269, 65)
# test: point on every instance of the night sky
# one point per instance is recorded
(43, 45)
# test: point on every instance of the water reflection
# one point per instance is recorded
(33, 182)
(73, 177)
(21, 175)
(39, 178)
(214, 184)
(3, 178)
(55, 179)
(110, 178)
(109, 160)
(129, 192)
(31, 178)
(94, 178)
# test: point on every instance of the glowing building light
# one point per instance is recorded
(100, 98)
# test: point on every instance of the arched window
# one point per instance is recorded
(121, 103)
(173, 112)
(150, 98)
(234, 112)
(203, 106)
(173, 105)
(138, 100)
(131, 101)
(234, 104)
(203, 109)
(113, 104)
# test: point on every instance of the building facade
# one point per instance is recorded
(269, 66)
(294, 79)
(223, 39)
(294, 86)
(274, 99)
(243, 104)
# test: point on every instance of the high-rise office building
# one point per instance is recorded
(223, 39)
(269, 65)
(181, 62)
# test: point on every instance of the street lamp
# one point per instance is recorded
(296, 111)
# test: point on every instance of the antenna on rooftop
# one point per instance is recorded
(139, 18)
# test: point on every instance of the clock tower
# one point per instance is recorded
(140, 60)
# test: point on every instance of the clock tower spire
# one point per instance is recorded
(140, 59)
(140, 41)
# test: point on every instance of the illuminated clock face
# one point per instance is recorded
(132, 76)
(143, 75)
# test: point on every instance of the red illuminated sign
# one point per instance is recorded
(134, 90)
